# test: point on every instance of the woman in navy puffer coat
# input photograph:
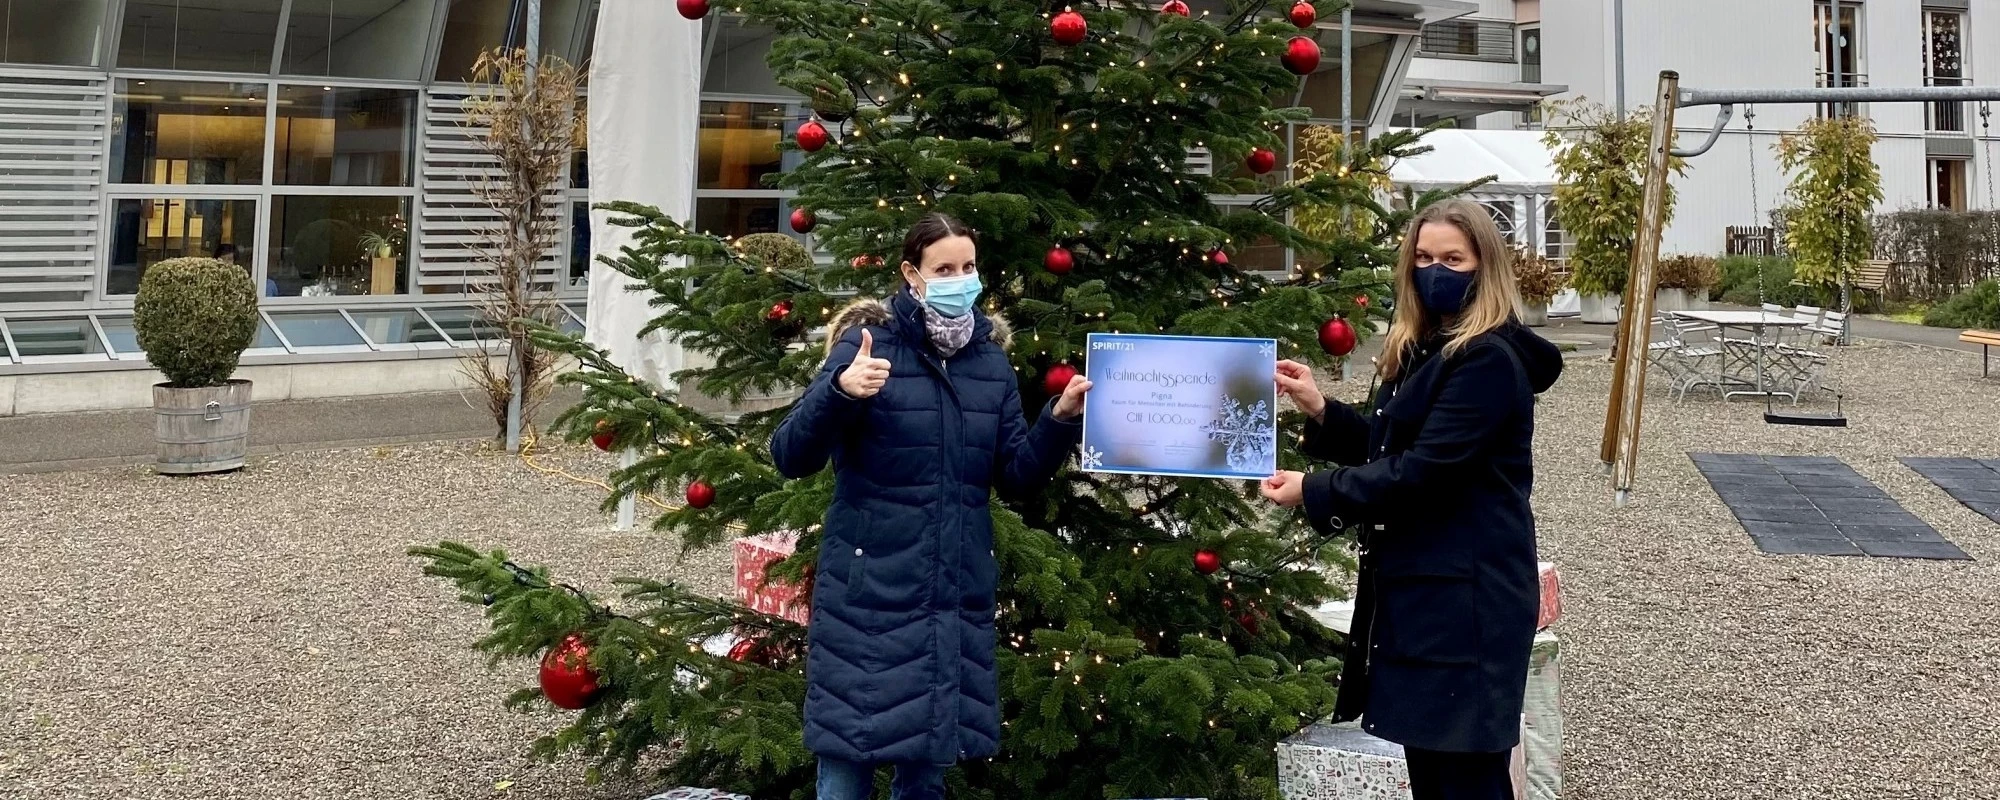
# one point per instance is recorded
(918, 409)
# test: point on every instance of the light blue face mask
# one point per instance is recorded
(952, 297)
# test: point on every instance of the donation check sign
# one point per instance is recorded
(1187, 406)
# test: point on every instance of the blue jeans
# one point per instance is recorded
(847, 780)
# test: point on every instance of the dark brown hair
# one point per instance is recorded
(928, 231)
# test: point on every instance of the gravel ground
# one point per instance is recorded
(262, 635)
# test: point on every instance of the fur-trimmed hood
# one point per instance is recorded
(869, 311)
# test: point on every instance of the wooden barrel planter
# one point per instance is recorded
(201, 430)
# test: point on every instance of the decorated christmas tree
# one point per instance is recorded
(1152, 634)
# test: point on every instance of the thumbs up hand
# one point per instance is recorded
(866, 375)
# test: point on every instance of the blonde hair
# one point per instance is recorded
(1495, 293)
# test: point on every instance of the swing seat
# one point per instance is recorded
(1772, 416)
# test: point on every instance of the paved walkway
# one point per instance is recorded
(88, 440)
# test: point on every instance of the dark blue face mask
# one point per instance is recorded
(1442, 289)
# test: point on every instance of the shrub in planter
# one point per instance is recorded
(1739, 283)
(1978, 307)
(194, 318)
(1684, 280)
(1539, 284)
(775, 250)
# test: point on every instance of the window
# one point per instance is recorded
(38, 339)
(206, 35)
(1485, 40)
(358, 38)
(51, 32)
(1947, 184)
(323, 246)
(1502, 212)
(345, 137)
(736, 65)
(174, 132)
(1322, 88)
(1552, 232)
(148, 230)
(1531, 55)
(1838, 50)
(474, 26)
(1944, 65)
(738, 149)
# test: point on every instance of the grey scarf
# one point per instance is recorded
(948, 334)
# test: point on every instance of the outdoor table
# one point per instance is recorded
(1755, 322)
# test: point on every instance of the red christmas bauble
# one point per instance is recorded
(1174, 7)
(693, 9)
(1361, 300)
(1248, 621)
(1068, 28)
(602, 435)
(744, 649)
(1207, 562)
(1057, 378)
(1303, 14)
(1228, 604)
(812, 136)
(1219, 257)
(803, 220)
(779, 310)
(1302, 55)
(1336, 337)
(700, 494)
(1261, 161)
(864, 262)
(566, 677)
(1059, 260)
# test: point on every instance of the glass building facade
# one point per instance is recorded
(316, 144)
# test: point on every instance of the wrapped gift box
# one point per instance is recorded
(691, 793)
(1552, 598)
(1343, 762)
(754, 555)
(1542, 733)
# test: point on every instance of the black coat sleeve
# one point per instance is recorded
(1479, 393)
(809, 434)
(1341, 438)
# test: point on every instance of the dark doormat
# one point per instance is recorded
(1816, 505)
(1972, 481)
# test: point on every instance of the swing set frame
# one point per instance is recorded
(1620, 447)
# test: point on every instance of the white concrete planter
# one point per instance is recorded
(1535, 315)
(1681, 300)
(1601, 309)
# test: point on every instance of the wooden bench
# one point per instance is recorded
(1871, 276)
(1986, 341)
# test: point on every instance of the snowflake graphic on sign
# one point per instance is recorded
(1247, 432)
(1093, 458)
(1267, 349)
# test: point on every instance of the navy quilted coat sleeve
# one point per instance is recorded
(900, 665)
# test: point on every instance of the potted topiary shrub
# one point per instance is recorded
(194, 318)
(1684, 282)
(1539, 284)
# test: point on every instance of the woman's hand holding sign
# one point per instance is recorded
(1295, 380)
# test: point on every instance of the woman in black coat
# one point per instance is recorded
(918, 409)
(1436, 480)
